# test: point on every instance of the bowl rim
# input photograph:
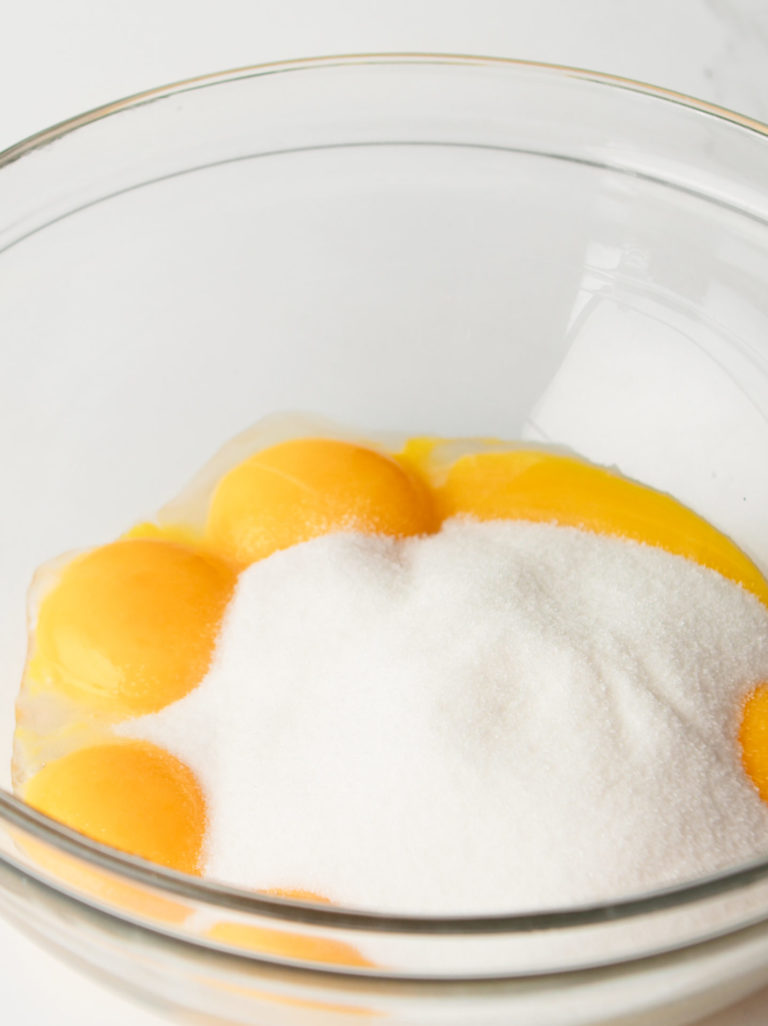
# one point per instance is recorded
(23, 817)
(620, 82)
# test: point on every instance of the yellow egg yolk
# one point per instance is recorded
(131, 795)
(530, 484)
(308, 487)
(753, 739)
(132, 625)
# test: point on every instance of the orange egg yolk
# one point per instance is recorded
(132, 795)
(308, 487)
(132, 625)
(753, 739)
(529, 484)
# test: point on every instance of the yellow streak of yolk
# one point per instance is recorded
(534, 485)
(308, 487)
(103, 885)
(179, 533)
(131, 795)
(295, 946)
(132, 625)
(287, 944)
(296, 894)
(753, 739)
(326, 1010)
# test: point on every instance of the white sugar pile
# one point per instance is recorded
(501, 716)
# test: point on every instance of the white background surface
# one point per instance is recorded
(60, 58)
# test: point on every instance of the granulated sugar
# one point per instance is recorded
(501, 716)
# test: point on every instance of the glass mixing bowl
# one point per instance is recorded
(423, 243)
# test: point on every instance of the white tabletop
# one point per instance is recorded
(60, 58)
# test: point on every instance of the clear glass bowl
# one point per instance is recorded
(421, 243)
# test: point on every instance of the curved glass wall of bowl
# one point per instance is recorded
(456, 246)
(665, 370)
(129, 935)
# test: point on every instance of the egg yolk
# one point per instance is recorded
(753, 739)
(528, 484)
(132, 625)
(131, 795)
(307, 487)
